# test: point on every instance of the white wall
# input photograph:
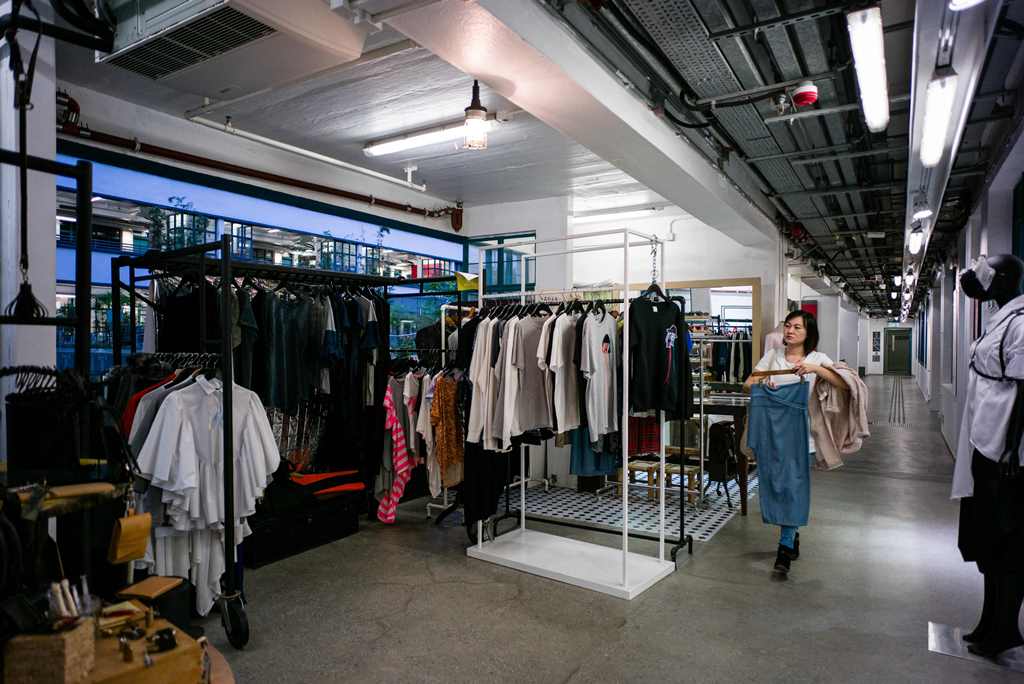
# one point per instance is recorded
(849, 350)
(119, 117)
(699, 252)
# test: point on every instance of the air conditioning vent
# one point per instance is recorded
(204, 37)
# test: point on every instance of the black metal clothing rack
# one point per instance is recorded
(195, 260)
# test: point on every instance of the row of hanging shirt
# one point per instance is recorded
(303, 349)
(176, 432)
(290, 342)
(732, 362)
(524, 373)
(422, 426)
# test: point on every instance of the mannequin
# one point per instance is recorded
(992, 504)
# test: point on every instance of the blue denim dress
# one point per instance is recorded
(777, 432)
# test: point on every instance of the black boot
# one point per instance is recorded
(796, 548)
(1004, 631)
(987, 612)
(783, 559)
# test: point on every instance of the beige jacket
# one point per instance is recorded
(839, 420)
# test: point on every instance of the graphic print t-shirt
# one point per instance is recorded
(659, 365)
(599, 356)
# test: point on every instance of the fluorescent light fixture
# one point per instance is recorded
(909, 279)
(865, 27)
(96, 198)
(893, 295)
(907, 294)
(421, 138)
(66, 219)
(921, 209)
(875, 234)
(883, 286)
(888, 310)
(961, 5)
(586, 217)
(915, 241)
(938, 110)
(896, 280)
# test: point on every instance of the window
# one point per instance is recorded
(101, 338)
(372, 259)
(262, 255)
(286, 259)
(241, 239)
(339, 255)
(922, 332)
(502, 266)
(183, 229)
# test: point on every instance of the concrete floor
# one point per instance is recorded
(404, 604)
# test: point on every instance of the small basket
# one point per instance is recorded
(62, 658)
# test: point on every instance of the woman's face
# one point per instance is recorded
(794, 331)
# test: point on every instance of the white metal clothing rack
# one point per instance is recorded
(591, 566)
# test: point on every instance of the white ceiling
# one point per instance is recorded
(339, 112)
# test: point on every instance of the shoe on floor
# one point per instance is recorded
(783, 559)
(796, 548)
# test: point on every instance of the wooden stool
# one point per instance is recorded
(690, 475)
(639, 467)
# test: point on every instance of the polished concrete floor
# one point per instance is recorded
(404, 604)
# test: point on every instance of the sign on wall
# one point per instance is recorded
(876, 342)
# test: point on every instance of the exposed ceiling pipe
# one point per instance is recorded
(228, 128)
(69, 126)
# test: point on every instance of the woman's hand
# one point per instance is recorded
(803, 367)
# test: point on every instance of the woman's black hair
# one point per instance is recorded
(811, 325)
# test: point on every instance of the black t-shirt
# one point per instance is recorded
(659, 361)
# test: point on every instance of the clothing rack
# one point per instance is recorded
(196, 261)
(575, 562)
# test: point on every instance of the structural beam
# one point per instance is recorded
(841, 189)
(525, 53)
(767, 89)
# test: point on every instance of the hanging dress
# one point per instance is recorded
(777, 432)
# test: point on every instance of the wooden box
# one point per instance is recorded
(62, 658)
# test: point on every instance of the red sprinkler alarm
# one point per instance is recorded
(805, 94)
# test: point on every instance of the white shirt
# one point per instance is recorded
(598, 361)
(990, 402)
(183, 455)
(480, 376)
(566, 401)
(542, 362)
(425, 427)
(775, 359)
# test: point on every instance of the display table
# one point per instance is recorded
(737, 407)
(182, 665)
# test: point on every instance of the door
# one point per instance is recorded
(897, 351)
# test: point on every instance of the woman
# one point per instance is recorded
(779, 437)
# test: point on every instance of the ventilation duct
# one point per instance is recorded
(229, 48)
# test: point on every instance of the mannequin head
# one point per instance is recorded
(1006, 283)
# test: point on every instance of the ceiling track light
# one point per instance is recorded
(868, 46)
(921, 208)
(938, 110)
(916, 240)
(961, 5)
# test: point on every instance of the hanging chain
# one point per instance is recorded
(654, 262)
